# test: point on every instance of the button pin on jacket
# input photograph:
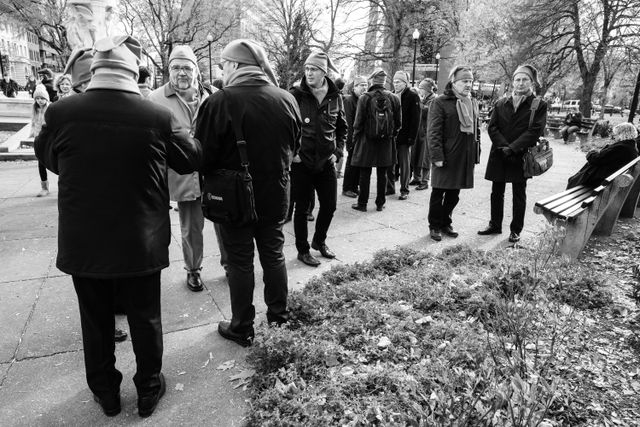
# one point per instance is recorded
(306, 120)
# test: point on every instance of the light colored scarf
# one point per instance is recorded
(517, 99)
(467, 112)
(247, 74)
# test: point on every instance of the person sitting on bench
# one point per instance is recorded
(572, 123)
(601, 164)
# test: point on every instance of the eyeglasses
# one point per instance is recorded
(186, 68)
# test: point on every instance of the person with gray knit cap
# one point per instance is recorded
(453, 135)
(357, 87)
(183, 95)
(406, 139)
(420, 158)
(269, 120)
(114, 228)
(324, 132)
(511, 135)
(602, 163)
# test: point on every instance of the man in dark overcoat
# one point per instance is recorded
(113, 226)
(368, 153)
(270, 121)
(511, 136)
(420, 158)
(453, 135)
(352, 173)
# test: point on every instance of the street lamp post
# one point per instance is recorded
(416, 36)
(437, 66)
(210, 39)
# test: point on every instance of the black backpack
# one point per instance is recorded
(379, 120)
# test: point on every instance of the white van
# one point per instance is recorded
(571, 105)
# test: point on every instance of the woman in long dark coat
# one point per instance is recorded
(453, 134)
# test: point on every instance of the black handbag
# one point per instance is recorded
(539, 158)
(227, 194)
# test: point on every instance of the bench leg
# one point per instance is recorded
(612, 207)
(632, 201)
(574, 235)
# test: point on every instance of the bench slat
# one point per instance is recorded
(543, 202)
(570, 204)
(608, 180)
(578, 195)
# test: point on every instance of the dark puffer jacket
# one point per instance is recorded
(410, 102)
(111, 150)
(324, 127)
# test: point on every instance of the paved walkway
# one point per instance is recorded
(41, 360)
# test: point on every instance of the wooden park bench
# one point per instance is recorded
(555, 123)
(584, 211)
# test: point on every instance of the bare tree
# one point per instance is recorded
(161, 24)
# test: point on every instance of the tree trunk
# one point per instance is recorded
(588, 83)
(634, 101)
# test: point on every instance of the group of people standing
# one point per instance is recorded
(122, 152)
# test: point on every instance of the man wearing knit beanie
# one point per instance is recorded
(602, 163)
(512, 132)
(420, 158)
(111, 150)
(183, 95)
(352, 173)
(251, 107)
(376, 125)
(324, 132)
(79, 68)
(406, 139)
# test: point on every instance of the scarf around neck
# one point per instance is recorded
(517, 99)
(247, 74)
(467, 112)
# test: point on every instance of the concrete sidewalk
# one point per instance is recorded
(42, 379)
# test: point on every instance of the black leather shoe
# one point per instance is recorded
(245, 340)
(308, 259)
(449, 231)
(359, 207)
(194, 282)
(350, 193)
(390, 192)
(310, 217)
(120, 335)
(324, 249)
(421, 187)
(514, 237)
(490, 230)
(435, 234)
(379, 208)
(147, 403)
(414, 182)
(403, 196)
(110, 404)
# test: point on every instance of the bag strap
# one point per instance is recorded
(534, 106)
(240, 141)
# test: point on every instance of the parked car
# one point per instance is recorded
(610, 109)
(571, 105)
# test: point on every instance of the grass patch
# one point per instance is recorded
(464, 338)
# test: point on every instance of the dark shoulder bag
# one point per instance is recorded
(539, 158)
(227, 194)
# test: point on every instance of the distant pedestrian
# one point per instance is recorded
(114, 226)
(420, 158)
(31, 85)
(144, 82)
(453, 134)
(324, 131)
(352, 173)
(407, 135)
(378, 120)
(40, 104)
(9, 86)
(46, 78)
(270, 123)
(511, 136)
(63, 87)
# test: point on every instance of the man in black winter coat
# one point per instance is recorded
(352, 173)
(410, 102)
(270, 122)
(114, 228)
(324, 131)
(511, 135)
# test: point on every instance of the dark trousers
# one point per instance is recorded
(140, 298)
(303, 182)
(238, 243)
(351, 175)
(381, 184)
(519, 190)
(403, 169)
(42, 170)
(441, 207)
